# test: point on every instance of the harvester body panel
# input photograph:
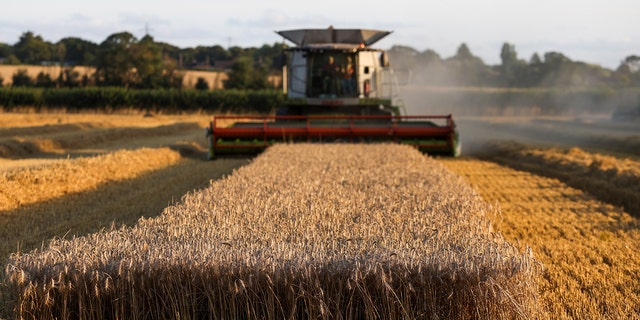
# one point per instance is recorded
(338, 89)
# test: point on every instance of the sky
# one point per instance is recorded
(593, 31)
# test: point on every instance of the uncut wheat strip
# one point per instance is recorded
(29, 185)
(306, 205)
(356, 203)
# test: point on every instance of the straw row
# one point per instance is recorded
(41, 183)
(611, 178)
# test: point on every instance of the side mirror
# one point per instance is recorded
(384, 60)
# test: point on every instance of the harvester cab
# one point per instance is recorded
(336, 72)
(338, 89)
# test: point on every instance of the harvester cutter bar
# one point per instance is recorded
(259, 132)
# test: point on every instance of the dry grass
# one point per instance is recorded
(305, 231)
(613, 179)
(8, 71)
(590, 250)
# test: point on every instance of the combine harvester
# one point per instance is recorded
(338, 89)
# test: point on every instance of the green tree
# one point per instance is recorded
(463, 53)
(508, 54)
(202, 84)
(43, 80)
(78, 51)
(21, 79)
(236, 52)
(403, 57)
(628, 73)
(535, 59)
(32, 49)
(429, 56)
(60, 51)
(148, 63)
(115, 64)
(125, 61)
(259, 79)
(533, 71)
(632, 62)
(12, 60)
(559, 70)
(5, 51)
(466, 69)
(69, 78)
(170, 53)
(205, 57)
(514, 72)
(269, 57)
(171, 76)
(508, 68)
(240, 74)
(555, 59)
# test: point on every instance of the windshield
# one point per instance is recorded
(332, 74)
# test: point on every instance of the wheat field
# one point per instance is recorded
(568, 216)
(304, 231)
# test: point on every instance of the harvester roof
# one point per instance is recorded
(315, 37)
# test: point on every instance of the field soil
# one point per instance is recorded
(64, 175)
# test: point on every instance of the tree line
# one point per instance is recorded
(553, 69)
(122, 60)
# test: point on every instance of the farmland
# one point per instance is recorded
(189, 78)
(65, 176)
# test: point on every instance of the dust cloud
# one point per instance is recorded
(484, 116)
